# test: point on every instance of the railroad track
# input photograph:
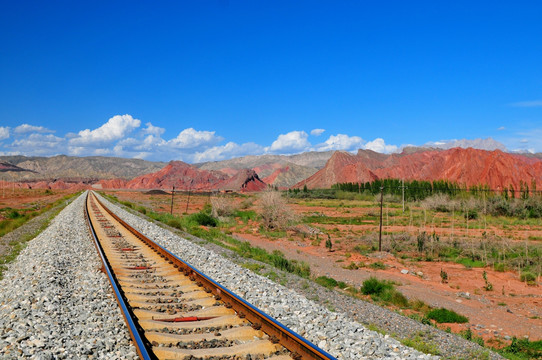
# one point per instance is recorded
(174, 311)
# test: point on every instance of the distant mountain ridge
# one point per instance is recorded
(72, 167)
(469, 167)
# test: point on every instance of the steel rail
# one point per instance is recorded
(142, 346)
(301, 348)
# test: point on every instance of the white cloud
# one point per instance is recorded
(501, 128)
(115, 128)
(379, 145)
(153, 130)
(534, 103)
(4, 132)
(341, 142)
(25, 128)
(39, 144)
(228, 151)
(194, 139)
(294, 141)
(317, 132)
(102, 152)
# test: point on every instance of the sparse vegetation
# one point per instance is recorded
(274, 211)
(443, 315)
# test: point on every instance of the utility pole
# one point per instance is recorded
(403, 187)
(172, 194)
(188, 199)
(380, 232)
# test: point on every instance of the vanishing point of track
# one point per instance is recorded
(174, 311)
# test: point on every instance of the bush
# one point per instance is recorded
(275, 213)
(530, 349)
(327, 282)
(373, 286)
(222, 206)
(204, 219)
(528, 277)
(378, 266)
(443, 315)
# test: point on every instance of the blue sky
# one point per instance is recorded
(209, 80)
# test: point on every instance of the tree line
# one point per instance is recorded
(415, 190)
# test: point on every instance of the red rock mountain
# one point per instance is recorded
(245, 180)
(187, 177)
(464, 166)
(179, 174)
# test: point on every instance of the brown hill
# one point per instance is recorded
(464, 166)
(294, 167)
(246, 180)
(179, 174)
(287, 175)
(65, 167)
(187, 177)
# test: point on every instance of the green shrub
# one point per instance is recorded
(373, 286)
(141, 209)
(524, 348)
(246, 215)
(204, 219)
(327, 282)
(443, 315)
(13, 214)
(528, 277)
(378, 266)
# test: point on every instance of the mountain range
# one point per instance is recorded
(468, 166)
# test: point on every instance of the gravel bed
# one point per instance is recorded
(55, 303)
(334, 332)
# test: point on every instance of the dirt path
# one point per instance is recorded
(491, 314)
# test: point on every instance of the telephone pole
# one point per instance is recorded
(172, 194)
(403, 188)
(380, 232)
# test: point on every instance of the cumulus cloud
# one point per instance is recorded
(341, 142)
(194, 139)
(4, 132)
(115, 128)
(153, 130)
(379, 145)
(294, 141)
(228, 151)
(25, 128)
(501, 128)
(317, 132)
(39, 144)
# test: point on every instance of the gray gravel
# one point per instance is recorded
(55, 303)
(332, 331)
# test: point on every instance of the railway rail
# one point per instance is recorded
(174, 311)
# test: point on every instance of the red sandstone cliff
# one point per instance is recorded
(464, 166)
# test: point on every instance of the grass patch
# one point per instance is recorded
(378, 266)
(469, 263)
(523, 349)
(384, 291)
(327, 282)
(246, 215)
(17, 246)
(419, 343)
(443, 315)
